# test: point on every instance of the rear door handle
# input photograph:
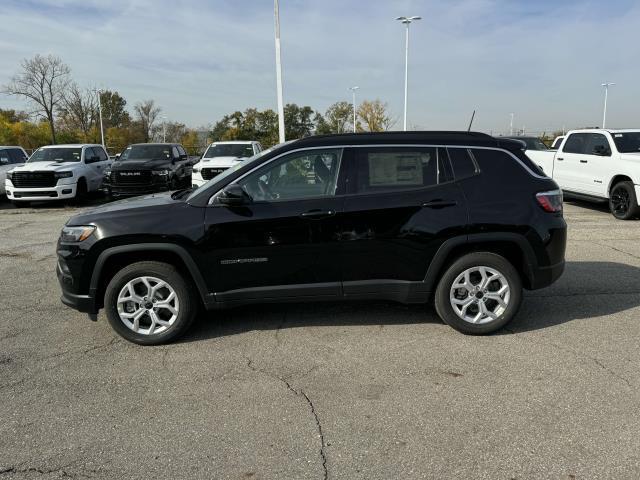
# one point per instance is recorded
(315, 214)
(583, 161)
(560, 159)
(439, 204)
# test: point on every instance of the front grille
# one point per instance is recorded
(51, 194)
(209, 173)
(33, 179)
(131, 177)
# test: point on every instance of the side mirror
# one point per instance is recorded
(601, 150)
(117, 156)
(234, 195)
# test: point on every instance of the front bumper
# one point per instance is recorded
(59, 192)
(135, 190)
(82, 303)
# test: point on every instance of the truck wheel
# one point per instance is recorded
(623, 202)
(150, 303)
(81, 190)
(479, 293)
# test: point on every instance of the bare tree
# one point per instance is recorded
(147, 112)
(79, 109)
(375, 116)
(43, 80)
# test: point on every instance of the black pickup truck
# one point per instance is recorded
(148, 168)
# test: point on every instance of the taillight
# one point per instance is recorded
(550, 201)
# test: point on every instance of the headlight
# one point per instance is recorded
(107, 173)
(76, 234)
(160, 172)
(194, 169)
(10, 176)
(63, 174)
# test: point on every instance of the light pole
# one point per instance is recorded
(407, 21)
(164, 128)
(100, 115)
(276, 14)
(353, 91)
(606, 86)
(511, 125)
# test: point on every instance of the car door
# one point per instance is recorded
(567, 167)
(401, 204)
(595, 165)
(94, 170)
(284, 242)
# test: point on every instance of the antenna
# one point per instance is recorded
(473, 115)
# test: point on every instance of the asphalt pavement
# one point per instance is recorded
(312, 391)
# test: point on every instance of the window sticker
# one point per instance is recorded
(618, 135)
(396, 169)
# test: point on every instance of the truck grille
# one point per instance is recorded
(209, 173)
(131, 177)
(34, 179)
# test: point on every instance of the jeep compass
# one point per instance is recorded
(461, 219)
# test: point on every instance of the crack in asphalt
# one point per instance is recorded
(62, 470)
(619, 250)
(302, 393)
(279, 328)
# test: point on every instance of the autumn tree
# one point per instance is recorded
(337, 119)
(146, 114)
(43, 80)
(374, 116)
(79, 110)
(114, 113)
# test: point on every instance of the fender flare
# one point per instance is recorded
(193, 269)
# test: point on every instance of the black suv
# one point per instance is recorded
(147, 168)
(464, 219)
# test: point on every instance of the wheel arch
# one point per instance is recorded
(113, 259)
(512, 246)
(617, 179)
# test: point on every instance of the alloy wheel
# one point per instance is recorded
(479, 295)
(620, 201)
(148, 305)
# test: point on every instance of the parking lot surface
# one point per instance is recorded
(313, 391)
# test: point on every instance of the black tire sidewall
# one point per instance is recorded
(165, 272)
(633, 207)
(492, 260)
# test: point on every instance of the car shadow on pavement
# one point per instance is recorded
(586, 290)
(92, 199)
(598, 206)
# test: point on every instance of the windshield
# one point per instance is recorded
(56, 155)
(231, 170)
(146, 152)
(628, 142)
(240, 150)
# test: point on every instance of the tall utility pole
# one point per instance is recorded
(407, 21)
(164, 129)
(511, 125)
(100, 115)
(353, 91)
(276, 14)
(606, 86)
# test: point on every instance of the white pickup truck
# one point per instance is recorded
(57, 172)
(597, 165)
(220, 156)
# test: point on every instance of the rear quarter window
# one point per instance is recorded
(462, 163)
(500, 163)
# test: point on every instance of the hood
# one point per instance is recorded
(121, 208)
(142, 164)
(219, 161)
(47, 166)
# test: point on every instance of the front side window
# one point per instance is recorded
(306, 174)
(598, 145)
(58, 155)
(576, 143)
(627, 142)
(100, 153)
(17, 155)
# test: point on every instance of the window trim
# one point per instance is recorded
(382, 145)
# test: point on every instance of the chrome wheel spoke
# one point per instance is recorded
(483, 301)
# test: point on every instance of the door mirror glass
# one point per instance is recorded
(601, 150)
(4, 160)
(234, 195)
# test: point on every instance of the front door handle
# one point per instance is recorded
(316, 214)
(560, 159)
(439, 204)
(583, 161)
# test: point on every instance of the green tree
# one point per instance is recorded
(114, 113)
(337, 119)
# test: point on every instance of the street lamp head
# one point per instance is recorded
(608, 84)
(408, 20)
(354, 88)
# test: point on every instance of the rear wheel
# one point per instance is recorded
(623, 202)
(150, 303)
(479, 293)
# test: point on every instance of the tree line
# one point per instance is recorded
(62, 111)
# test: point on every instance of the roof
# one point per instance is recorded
(461, 138)
(155, 144)
(600, 130)
(236, 142)
(10, 146)
(72, 145)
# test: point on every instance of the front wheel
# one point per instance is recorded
(150, 303)
(479, 293)
(623, 202)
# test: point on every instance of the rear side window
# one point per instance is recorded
(394, 169)
(462, 163)
(598, 145)
(501, 163)
(576, 143)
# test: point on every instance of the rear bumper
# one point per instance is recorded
(542, 277)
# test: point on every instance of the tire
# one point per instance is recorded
(475, 262)
(19, 204)
(185, 303)
(81, 190)
(623, 203)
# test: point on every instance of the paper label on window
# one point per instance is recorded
(393, 169)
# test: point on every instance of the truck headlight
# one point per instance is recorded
(10, 176)
(63, 174)
(160, 172)
(194, 169)
(76, 234)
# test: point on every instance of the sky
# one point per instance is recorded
(543, 60)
